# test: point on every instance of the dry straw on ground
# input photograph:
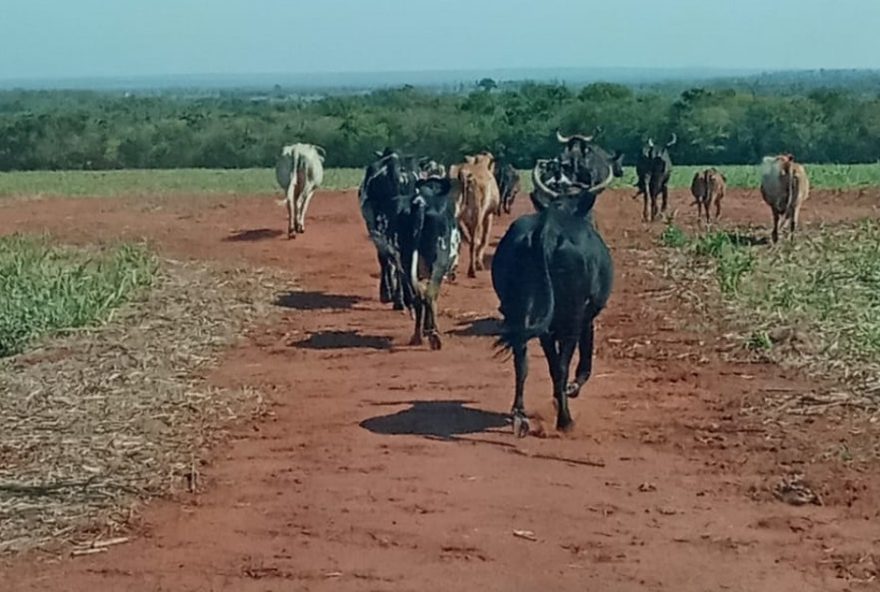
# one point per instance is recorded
(97, 420)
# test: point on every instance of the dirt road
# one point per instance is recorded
(386, 467)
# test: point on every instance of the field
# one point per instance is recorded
(250, 181)
(266, 405)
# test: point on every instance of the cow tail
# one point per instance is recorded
(791, 190)
(536, 306)
(418, 213)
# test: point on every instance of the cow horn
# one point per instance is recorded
(566, 139)
(672, 141)
(650, 142)
(536, 180)
(605, 183)
(321, 150)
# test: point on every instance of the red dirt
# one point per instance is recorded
(351, 483)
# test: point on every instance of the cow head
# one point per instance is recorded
(652, 151)
(575, 200)
(587, 163)
(390, 170)
(485, 159)
(429, 167)
(434, 186)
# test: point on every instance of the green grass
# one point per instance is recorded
(46, 289)
(826, 284)
(177, 181)
(251, 181)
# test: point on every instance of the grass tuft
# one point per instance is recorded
(46, 289)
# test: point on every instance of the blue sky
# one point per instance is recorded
(74, 38)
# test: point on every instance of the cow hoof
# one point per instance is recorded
(435, 342)
(398, 306)
(416, 340)
(564, 425)
(472, 273)
(573, 390)
(291, 234)
(520, 426)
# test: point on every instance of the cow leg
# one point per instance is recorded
(717, 208)
(306, 198)
(385, 281)
(775, 234)
(645, 207)
(585, 361)
(291, 231)
(405, 295)
(665, 192)
(521, 369)
(793, 222)
(566, 351)
(472, 247)
(431, 324)
(418, 305)
(548, 344)
(484, 241)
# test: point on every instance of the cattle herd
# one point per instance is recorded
(552, 271)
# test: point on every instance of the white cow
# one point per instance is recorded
(785, 187)
(300, 170)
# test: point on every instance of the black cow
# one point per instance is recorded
(653, 169)
(553, 274)
(587, 163)
(385, 179)
(508, 181)
(429, 240)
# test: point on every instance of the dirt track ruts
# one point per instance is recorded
(386, 467)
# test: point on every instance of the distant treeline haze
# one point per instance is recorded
(83, 130)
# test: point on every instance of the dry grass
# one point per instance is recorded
(812, 304)
(97, 420)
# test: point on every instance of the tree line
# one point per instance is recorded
(86, 130)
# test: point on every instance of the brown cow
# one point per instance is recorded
(708, 187)
(479, 201)
(785, 187)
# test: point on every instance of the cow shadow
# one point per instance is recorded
(344, 340)
(485, 327)
(254, 235)
(436, 419)
(316, 301)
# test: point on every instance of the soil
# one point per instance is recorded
(389, 467)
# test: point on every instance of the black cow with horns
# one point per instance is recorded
(553, 275)
(653, 169)
(587, 163)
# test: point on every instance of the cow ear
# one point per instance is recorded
(585, 202)
(378, 153)
(540, 201)
(469, 159)
(618, 157)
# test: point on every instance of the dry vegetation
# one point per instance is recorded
(96, 420)
(813, 304)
